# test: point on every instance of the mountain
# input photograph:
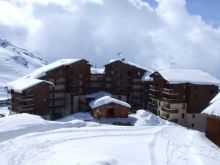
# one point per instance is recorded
(14, 63)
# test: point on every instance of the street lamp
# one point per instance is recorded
(99, 116)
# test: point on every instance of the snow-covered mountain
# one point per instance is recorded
(15, 62)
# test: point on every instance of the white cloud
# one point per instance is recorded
(161, 37)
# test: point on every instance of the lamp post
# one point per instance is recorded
(99, 116)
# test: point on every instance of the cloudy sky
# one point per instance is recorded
(154, 33)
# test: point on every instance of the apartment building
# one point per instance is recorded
(124, 80)
(65, 85)
(181, 95)
(61, 88)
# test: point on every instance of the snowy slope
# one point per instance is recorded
(14, 63)
(55, 143)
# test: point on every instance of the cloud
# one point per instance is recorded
(161, 37)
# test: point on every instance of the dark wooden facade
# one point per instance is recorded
(34, 100)
(181, 103)
(111, 110)
(74, 81)
(196, 96)
(124, 79)
(213, 129)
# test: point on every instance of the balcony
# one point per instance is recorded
(58, 91)
(25, 98)
(57, 98)
(56, 106)
(152, 104)
(25, 107)
(171, 100)
(165, 116)
(169, 110)
(153, 88)
(168, 91)
(152, 96)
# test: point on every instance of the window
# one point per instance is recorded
(183, 106)
(193, 116)
(183, 115)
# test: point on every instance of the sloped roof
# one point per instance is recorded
(107, 100)
(217, 97)
(24, 83)
(176, 76)
(130, 63)
(146, 76)
(42, 70)
(213, 109)
(34, 78)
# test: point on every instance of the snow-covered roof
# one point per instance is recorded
(107, 100)
(217, 97)
(97, 70)
(98, 94)
(213, 109)
(33, 78)
(21, 84)
(38, 73)
(146, 76)
(131, 63)
(176, 76)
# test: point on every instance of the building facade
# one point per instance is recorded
(67, 82)
(181, 99)
(213, 120)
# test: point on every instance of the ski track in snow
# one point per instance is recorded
(31, 150)
(22, 150)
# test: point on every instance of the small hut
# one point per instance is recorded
(213, 120)
(108, 107)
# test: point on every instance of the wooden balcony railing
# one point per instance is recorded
(169, 110)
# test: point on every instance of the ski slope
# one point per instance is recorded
(56, 143)
(15, 62)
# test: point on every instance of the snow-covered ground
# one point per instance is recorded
(28, 139)
(4, 111)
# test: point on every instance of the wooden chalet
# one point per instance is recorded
(213, 120)
(108, 107)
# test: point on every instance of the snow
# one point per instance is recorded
(213, 109)
(38, 73)
(19, 124)
(97, 70)
(131, 63)
(217, 97)
(98, 94)
(15, 62)
(146, 118)
(4, 111)
(175, 76)
(33, 78)
(106, 100)
(28, 139)
(20, 85)
(146, 76)
(101, 145)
